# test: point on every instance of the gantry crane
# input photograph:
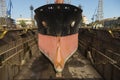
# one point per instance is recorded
(99, 16)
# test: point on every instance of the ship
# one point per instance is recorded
(58, 26)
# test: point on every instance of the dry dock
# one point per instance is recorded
(97, 57)
(77, 67)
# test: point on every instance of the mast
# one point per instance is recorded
(59, 1)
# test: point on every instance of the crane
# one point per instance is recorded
(97, 17)
(94, 15)
(5, 12)
(9, 9)
(100, 10)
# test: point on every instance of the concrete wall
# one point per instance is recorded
(16, 49)
(102, 48)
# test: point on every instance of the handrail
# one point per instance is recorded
(117, 54)
(14, 53)
(16, 46)
(113, 61)
(12, 56)
(108, 58)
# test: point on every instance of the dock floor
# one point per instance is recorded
(77, 67)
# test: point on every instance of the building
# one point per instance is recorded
(85, 20)
(28, 22)
(112, 22)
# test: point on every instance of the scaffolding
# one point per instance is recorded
(2, 8)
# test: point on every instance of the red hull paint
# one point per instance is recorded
(58, 49)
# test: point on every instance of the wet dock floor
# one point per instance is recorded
(77, 67)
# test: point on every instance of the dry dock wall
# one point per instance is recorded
(16, 48)
(102, 48)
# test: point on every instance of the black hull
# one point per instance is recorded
(58, 19)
